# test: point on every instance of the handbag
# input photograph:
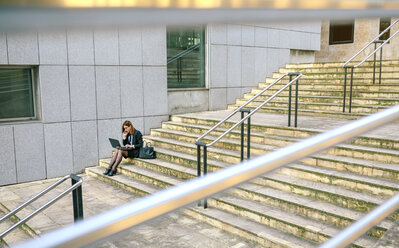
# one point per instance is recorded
(147, 151)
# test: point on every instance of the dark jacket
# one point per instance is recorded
(135, 139)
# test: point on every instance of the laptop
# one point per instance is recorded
(115, 144)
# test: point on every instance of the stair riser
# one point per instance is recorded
(219, 144)
(315, 214)
(340, 93)
(341, 70)
(116, 183)
(282, 131)
(327, 100)
(164, 170)
(298, 231)
(137, 176)
(339, 200)
(354, 168)
(323, 107)
(342, 182)
(366, 75)
(363, 154)
(340, 87)
(367, 63)
(193, 151)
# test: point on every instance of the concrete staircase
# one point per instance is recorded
(321, 90)
(301, 205)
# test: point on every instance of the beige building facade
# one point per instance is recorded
(364, 30)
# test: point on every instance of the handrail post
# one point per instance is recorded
(350, 91)
(249, 137)
(204, 145)
(375, 56)
(77, 199)
(289, 104)
(346, 73)
(380, 65)
(296, 102)
(242, 137)
(199, 166)
(205, 172)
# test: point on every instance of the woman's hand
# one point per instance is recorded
(132, 146)
(124, 134)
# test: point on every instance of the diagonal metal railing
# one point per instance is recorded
(139, 211)
(248, 118)
(76, 190)
(346, 65)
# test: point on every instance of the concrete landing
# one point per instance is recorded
(172, 230)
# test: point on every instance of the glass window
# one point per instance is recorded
(186, 57)
(17, 99)
(341, 32)
(384, 23)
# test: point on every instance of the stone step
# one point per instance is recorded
(265, 236)
(122, 181)
(272, 135)
(284, 221)
(354, 165)
(370, 68)
(359, 183)
(339, 64)
(307, 112)
(335, 195)
(224, 143)
(315, 209)
(333, 81)
(313, 106)
(18, 235)
(356, 74)
(325, 99)
(319, 86)
(339, 93)
(234, 222)
(228, 156)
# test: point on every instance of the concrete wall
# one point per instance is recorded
(242, 55)
(365, 31)
(90, 82)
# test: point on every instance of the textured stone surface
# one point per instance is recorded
(172, 230)
(80, 47)
(83, 93)
(155, 91)
(108, 92)
(106, 48)
(3, 48)
(55, 93)
(84, 144)
(131, 78)
(53, 48)
(8, 170)
(23, 48)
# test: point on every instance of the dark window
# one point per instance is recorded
(17, 98)
(384, 23)
(186, 57)
(341, 32)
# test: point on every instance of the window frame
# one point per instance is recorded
(35, 96)
(333, 24)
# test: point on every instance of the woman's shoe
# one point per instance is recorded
(107, 171)
(111, 173)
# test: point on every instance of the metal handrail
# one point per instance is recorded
(368, 44)
(360, 227)
(352, 67)
(141, 210)
(77, 203)
(183, 53)
(243, 119)
(298, 75)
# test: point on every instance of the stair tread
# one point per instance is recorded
(355, 177)
(310, 203)
(327, 188)
(147, 188)
(392, 167)
(371, 149)
(293, 219)
(259, 230)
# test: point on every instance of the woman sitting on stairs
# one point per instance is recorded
(131, 138)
